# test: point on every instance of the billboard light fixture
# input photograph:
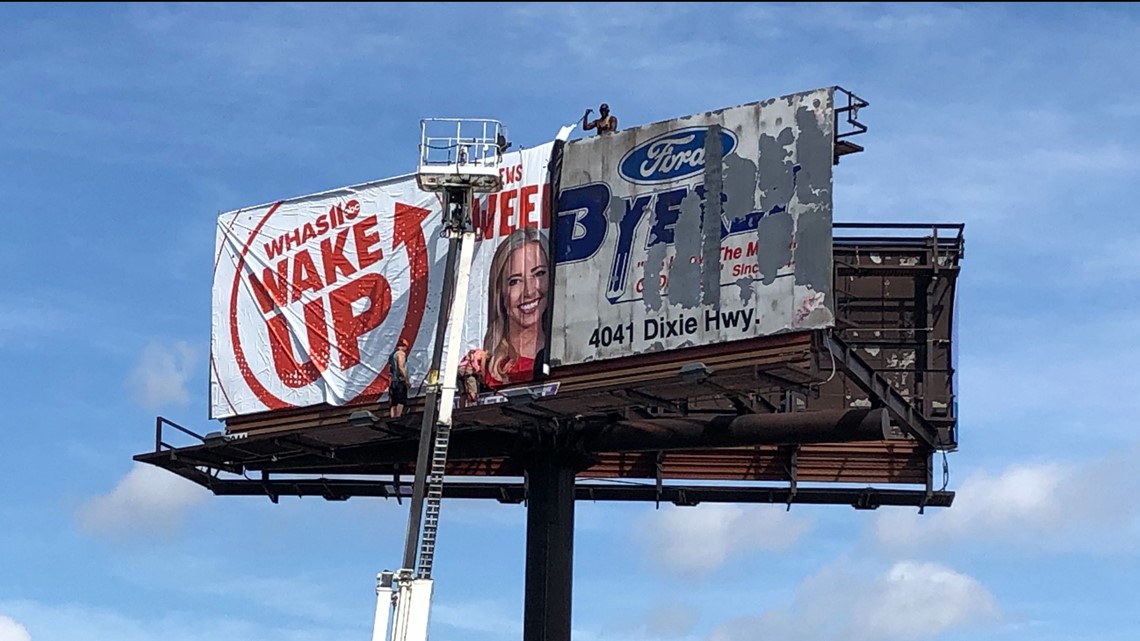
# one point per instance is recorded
(695, 372)
(519, 395)
(362, 418)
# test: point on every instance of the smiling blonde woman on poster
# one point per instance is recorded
(517, 306)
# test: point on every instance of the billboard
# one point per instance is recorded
(705, 229)
(311, 294)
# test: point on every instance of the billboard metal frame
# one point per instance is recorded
(304, 452)
(890, 357)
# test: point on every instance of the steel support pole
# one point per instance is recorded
(549, 548)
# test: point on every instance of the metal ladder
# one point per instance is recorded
(434, 497)
(433, 485)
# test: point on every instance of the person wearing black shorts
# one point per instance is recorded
(398, 387)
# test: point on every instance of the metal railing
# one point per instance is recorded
(938, 235)
(460, 141)
(850, 113)
(160, 444)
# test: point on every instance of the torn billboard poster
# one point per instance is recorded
(699, 230)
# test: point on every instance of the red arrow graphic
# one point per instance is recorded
(409, 232)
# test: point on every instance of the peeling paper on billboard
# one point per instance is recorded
(311, 294)
(694, 231)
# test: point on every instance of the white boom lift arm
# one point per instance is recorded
(403, 598)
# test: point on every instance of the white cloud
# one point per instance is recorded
(484, 615)
(71, 622)
(1029, 181)
(919, 600)
(148, 500)
(695, 541)
(1042, 506)
(654, 48)
(592, 38)
(1010, 383)
(485, 514)
(271, 40)
(883, 24)
(490, 618)
(300, 594)
(25, 319)
(12, 631)
(907, 602)
(670, 620)
(1030, 162)
(665, 620)
(1115, 262)
(161, 374)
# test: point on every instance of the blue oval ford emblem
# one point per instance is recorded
(671, 156)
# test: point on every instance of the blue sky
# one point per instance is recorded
(126, 129)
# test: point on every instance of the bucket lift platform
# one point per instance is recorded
(458, 159)
(460, 154)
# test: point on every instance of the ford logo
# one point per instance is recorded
(672, 156)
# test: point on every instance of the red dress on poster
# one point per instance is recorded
(521, 371)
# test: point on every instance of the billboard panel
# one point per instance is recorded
(704, 229)
(311, 294)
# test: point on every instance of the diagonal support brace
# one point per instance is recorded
(875, 385)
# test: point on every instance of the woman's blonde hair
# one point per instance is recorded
(500, 353)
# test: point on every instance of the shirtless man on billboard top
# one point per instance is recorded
(605, 124)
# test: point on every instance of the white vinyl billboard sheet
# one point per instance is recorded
(700, 230)
(311, 294)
